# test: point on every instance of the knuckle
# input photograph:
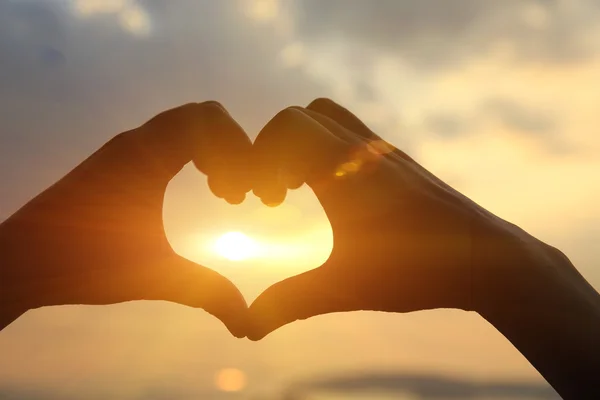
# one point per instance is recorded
(213, 113)
(190, 111)
(287, 114)
(280, 124)
(321, 102)
(171, 116)
(211, 105)
(185, 112)
(119, 139)
(188, 106)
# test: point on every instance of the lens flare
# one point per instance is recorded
(364, 156)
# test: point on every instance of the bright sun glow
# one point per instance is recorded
(236, 246)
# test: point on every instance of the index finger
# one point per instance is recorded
(291, 149)
(206, 134)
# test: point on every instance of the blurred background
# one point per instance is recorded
(498, 98)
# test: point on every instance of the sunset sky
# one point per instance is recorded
(500, 99)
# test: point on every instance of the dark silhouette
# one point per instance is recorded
(97, 236)
(403, 239)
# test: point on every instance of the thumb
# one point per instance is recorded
(196, 286)
(300, 297)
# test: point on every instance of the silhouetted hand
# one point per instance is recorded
(97, 237)
(403, 239)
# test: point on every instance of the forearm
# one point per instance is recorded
(555, 324)
(9, 310)
(8, 316)
(8, 313)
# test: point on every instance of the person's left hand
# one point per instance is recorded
(97, 236)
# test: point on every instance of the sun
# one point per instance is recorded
(236, 246)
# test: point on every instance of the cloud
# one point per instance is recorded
(29, 36)
(72, 69)
(437, 34)
(446, 125)
(511, 116)
(518, 117)
(421, 386)
(430, 386)
(391, 63)
(132, 16)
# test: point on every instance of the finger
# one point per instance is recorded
(220, 184)
(363, 157)
(294, 145)
(348, 120)
(300, 297)
(206, 134)
(341, 115)
(196, 286)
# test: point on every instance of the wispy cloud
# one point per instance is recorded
(132, 16)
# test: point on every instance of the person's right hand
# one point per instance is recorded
(403, 239)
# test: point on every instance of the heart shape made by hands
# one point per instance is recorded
(276, 242)
(403, 240)
(401, 237)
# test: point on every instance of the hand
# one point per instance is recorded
(403, 239)
(97, 237)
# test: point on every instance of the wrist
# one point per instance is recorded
(513, 271)
(540, 285)
(538, 300)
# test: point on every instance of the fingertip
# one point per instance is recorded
(291, 180)
(271, 196)
(271, 204)
(255, 337)
(223, 186)
(235, 198)
(260, 323)
(234, 317)
(237, 325)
